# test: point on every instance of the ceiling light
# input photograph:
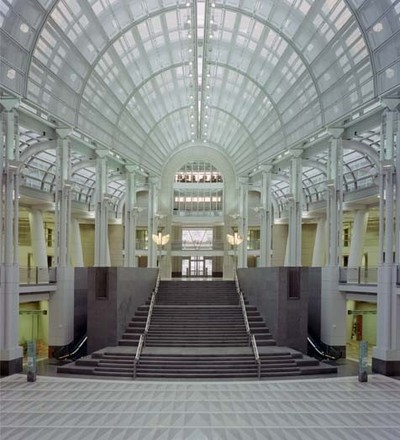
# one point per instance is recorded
(213, 4)
(11, 74)
(207, 86)
(190, 50)
(189, 35)
(187, 4)
(24, 28)
(378, 27)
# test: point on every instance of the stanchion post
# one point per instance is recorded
(363, 362)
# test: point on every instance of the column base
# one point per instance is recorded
(11, 366)
(386, 361)
(385, 367)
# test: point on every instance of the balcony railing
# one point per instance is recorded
(358, 275)
(37, 275)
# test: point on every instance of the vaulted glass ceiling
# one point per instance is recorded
(247, 77)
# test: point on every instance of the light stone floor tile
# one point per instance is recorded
(56, 408)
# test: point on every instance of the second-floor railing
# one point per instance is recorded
(37, 275)
(358, 275)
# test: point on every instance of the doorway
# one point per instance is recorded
(196, 266)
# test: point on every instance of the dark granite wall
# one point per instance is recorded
(80, 302)
(267, 288)
(113, 295)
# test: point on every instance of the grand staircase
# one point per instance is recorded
(197, 331)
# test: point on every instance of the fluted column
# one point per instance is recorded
(76, 245)
(295, 209)
(243, 220)
(333, 302)
(63, 198)
(386, 354)
(101, 251)
(152, 221)
(130, 218)
(10, 352)
(266, 218)
(38, 241)
(358, 233)
(334, 214)
(61, 303)
(318, 259)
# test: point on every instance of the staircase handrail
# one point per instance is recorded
(256, 355)
(143, 336)
(243, 305)
(152, 302)
(252, 338)
(138, 353)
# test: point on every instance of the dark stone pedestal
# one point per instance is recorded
(12, 366)
(387, 368)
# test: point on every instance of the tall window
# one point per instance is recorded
(197, 239)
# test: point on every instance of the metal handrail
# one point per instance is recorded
(138, 353)
(256, 355)
(252, 338)
(151, 306)
(143, 336)
(243, 306)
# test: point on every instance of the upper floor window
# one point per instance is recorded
(198, 172)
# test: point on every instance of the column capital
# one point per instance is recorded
(131, 169)
(296, 152)
(10, 103)
(335, 132)
(390, 103)
(101, 153)
(154, 180)
(267, 168)
(63, 132)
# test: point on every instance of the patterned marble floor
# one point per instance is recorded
(70, 409)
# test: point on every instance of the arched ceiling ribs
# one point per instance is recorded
(211, 108)
(117, 36)
(83, 164)
(143, 83)
(37, 148)
(259, 86)
(289, 41)
(367, 44)
(314, 164)
(363, 149)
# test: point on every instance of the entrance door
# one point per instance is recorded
(196, 267)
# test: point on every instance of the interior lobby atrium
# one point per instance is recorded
(149, 145)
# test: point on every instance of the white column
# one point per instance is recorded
(243, 220)
(61, 303)
(152, 221)
(295, 208)
(76, 245)
(39, 247)
(10, 352)
(63, 198)
(386, 355)
(130, 218)
(318, 259)
(358, 237)
(266, 218)
(334, 214)
(101, 251)
(333, 302)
